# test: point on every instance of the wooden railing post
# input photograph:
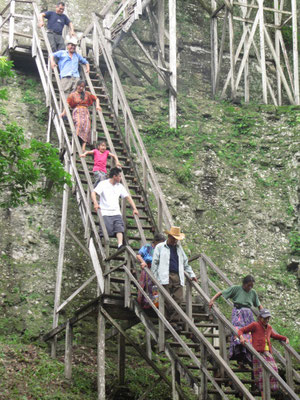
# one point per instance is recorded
(289, 368)
(189, 301)
(12, 24)
(204, 278)
(121, 359)
(34, 44)
(266, 384)
(127, 285)
(222, 344)
(159, 214)
(95, 46)
(68, 350)
(203, 387)
(175, 379)
(161, 326)
(101, 356)
(145, 175)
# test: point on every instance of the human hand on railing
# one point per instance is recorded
(99, 108)
(41, 23)
(118, 165)
(135, 212)
(242, 339)
(195, 279)
(143, 265)
(210, 304)
(287, 341)
(53, 64)
(96, 207)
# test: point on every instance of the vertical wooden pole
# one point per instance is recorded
(289, 369)
(262, 51)
(145, 175)
(277, 19)
(246, 69)
(203, 387)
(189, 301)
(161, 327)
(159, 214)
(68, 351)
(204, 278)
(214, 47)
(121, 359)
(148, 344)
(232, 52)
(127, 285)
(266, 385)
(12, 24)
(101, 357)
(161, 35)
(49, 127)
(173, 63)
(60, 261)
(295, 52)
(175, 378)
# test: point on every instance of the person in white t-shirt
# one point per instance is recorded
(110, 191)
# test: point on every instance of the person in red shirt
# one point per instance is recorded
(262, 332)
(100, 160)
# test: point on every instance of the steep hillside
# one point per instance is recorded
(230, 174)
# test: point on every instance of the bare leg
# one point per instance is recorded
(119, 238)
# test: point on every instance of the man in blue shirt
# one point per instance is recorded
(56, 22)
(68, 63)
(168, 265)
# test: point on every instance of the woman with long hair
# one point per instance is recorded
(80, 100)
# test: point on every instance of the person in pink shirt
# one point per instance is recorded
(100, 160)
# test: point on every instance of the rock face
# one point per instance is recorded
(230, 175)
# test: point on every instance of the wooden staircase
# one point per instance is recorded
(198, 353)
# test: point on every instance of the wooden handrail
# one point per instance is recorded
(250, 348)
(136, 137)
(66, 139)
(288, 347)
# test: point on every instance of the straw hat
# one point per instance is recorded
(72, 40)
(175, 232)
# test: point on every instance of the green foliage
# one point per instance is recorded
(294, 239)
(242, 125)
(5, 72)
(43, 375)
(23, 166)
(30, 98)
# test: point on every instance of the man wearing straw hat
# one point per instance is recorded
(168, 266)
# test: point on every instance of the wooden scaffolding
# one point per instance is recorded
(203, 339)
(254, 31)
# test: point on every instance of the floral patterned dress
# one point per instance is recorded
(81, 115)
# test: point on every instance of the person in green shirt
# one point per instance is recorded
(244, 297)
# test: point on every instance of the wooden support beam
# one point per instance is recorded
(214, 47)
(138, 349)
(232, 58)
(135, 64)
(161, 35)
(262, 51)
(173, 65)
(152, 62)
(60, 262)
(68, 350)
(121, 359)
(220, 60)
(77, 241)
(127, 71)
(101, 356)
(295, 52)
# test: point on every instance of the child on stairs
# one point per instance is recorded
(100, 161)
